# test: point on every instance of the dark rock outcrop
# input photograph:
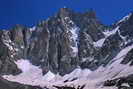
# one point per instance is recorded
(68, 87)
(119, 81)
(5, 84)
(7, 65)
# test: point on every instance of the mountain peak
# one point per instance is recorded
(65, 12)
(90, 13)
(126, 18)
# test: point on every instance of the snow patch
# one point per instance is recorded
(31, 74)
(8, 43)
(75, 50)
(48, 76)
(74, 32)
(124, 52)
(87, 58)
(99, 43)
(33, 29)
(24, 65)
(108, 33)
(74, 39)
(77, 73)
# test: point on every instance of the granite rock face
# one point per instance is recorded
(61, 42)
(64, 42)
(7, 65)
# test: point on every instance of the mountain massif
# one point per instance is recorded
(67, 44)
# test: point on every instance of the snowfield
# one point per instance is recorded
(32, 75)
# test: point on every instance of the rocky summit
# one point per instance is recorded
(67, 41)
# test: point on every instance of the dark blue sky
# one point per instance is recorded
(29, 12)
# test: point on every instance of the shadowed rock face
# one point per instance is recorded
(68, 87)
(128, 58)
(119, 81)
(5, 84)
(7, 65)
(63, 42)
(126, 27)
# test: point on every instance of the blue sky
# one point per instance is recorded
(30, 12)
